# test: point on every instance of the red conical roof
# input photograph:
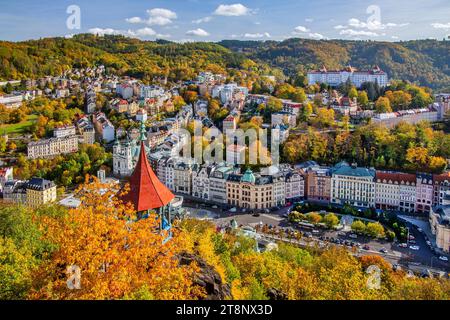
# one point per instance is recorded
(147, 192)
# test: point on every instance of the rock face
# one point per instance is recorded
(275, 294)
(208, 278)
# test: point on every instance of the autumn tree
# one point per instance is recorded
(330, 220)
(116, 254)
(383, 105)
(363, 99)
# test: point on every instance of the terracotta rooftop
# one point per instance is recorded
(147, 192)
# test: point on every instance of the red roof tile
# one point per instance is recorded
(395, 176)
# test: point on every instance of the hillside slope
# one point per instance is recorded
(426, 62)
(423, 61)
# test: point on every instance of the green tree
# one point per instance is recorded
(331, 220)
(358, 226)
(375, 230)
(383, 105)
(353, 93)
(363, 99)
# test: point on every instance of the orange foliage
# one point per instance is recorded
(116, 254)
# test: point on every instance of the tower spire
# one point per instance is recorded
(142, 131)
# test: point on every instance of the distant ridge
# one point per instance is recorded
(426, 62)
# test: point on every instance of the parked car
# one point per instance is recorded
(353, 236)
(429, 243)
(233, 210)
(412, 241)
(403, 245)
(256, 214)
(315, 231)
(383, 250)
(415, 248)
(420, 230)
(366, 247)
(443, 258)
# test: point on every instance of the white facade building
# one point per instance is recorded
(336, 78)
(353, 185)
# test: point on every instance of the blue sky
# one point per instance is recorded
(205, 20)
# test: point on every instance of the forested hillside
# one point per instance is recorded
(126, 56)
(423, 61)
(426, 62)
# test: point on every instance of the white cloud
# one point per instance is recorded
(372, 25)
(353, 33)
(309, 19)
(164, 13)
(135, 20)
(316, 36)
(145, 32)
(197, 32)
(156, 16)
(444, 26)
(139, 33)
(394, 37)
(232, 10)
(301, 29)
(257, 35)
(202, 20)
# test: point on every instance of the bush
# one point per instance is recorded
(330, 220)
(358, 226)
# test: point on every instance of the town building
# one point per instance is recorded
(440, 226)
(201, 181)
(40, 192)
(229, 123)
(395, 191)
(285, 118)
(250, 191)
(441, 187)
(148, 92)
(64, 131)
(86, 130)
(424, 193)
(104, 128)
(352, 185)
(141, 115)
(125, 90)
(11, 100)
(335, 78)
(46, 148)
(291, 107)
(294, 185)
(317, 183)
(90, 102)
(218, 183)
(35, 192)
(411, 116)
(6, 174)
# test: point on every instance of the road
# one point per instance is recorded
(406, 257)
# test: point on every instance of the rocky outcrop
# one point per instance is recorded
(275, 294)
(207, 278)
